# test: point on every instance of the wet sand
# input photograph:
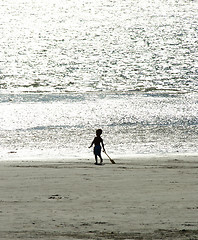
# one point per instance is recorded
(153, 198)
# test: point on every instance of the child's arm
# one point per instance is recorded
(92, 143)
(102, 145)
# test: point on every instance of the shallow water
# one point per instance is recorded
(70, 67)
(64, 125)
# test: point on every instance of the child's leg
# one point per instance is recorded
(96, 159)
(101, 160)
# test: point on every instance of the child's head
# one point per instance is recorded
(98, 132)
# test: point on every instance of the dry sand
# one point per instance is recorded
(134, 199)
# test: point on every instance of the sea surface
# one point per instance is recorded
(70, 67)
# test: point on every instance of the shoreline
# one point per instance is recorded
(152, 198)
(90, 158)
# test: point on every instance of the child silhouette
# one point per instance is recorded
(97, 142)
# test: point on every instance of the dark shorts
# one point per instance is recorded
(97, 150)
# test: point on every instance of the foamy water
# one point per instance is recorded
(70, 67)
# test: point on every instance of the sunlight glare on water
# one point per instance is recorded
(70, 67)
(132, 123)
(61, 46)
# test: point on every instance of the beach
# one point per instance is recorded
(136, 198)
(70, 68)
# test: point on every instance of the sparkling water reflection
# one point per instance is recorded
(61, 46)
(69, 67)
(64, 125)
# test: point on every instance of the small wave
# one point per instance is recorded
(41, 97)
(54, 127)
(160, 90)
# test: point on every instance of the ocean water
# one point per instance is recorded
(70, 67)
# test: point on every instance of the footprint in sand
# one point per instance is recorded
(56, 197)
